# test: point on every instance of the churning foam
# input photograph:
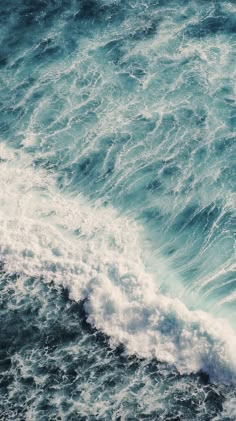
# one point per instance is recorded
(96, 254)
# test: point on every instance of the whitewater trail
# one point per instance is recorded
(97, 255)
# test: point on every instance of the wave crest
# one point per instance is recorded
(97, 255)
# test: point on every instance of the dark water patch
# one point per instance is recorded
(34, 8)
(154, 185)
(136, 64)
(90, 169)
(113, 51)
(208, 26)
(46, 50)
(49, 165)
(168, 122)
(193, 117)
(89, 9)
(148, 31)
(94, 10)
(4, 127)
(201, 154)
(3, 60)
(171, 171)
(195, 216)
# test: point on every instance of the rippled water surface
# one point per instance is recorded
(117, 210)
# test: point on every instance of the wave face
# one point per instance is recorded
(118, 210)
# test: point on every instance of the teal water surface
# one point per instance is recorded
(118, 210)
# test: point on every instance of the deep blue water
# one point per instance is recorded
(117, 210)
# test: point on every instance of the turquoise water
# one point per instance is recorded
(118, 216)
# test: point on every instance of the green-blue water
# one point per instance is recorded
(117, 210)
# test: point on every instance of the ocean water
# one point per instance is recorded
(117, 210)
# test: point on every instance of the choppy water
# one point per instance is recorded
(118, 210)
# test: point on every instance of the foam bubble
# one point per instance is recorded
(97, 255)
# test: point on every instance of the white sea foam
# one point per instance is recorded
(97, 255)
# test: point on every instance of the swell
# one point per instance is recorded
(97, 255)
